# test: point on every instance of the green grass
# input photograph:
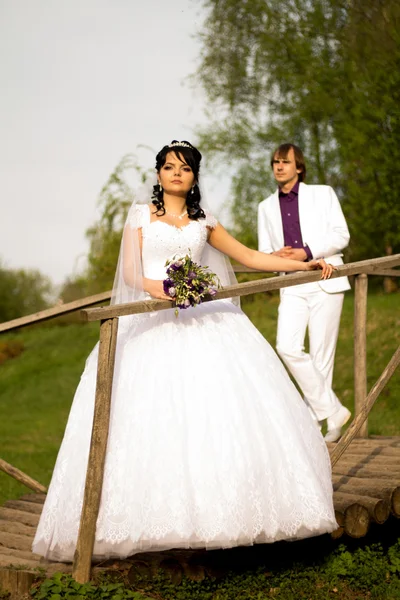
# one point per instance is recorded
(37, 387)
(314, 569)
(36, 391)
(383, 338)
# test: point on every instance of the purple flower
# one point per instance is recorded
(167, 284)
(176, 266)
(172, 291)
(212, 291)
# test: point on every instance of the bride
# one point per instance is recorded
(210, 444)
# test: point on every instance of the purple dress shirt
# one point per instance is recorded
(289, 205)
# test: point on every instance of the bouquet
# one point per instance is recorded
(189, 283)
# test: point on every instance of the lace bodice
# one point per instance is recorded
(162, 242)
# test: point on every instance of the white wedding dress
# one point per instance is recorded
(210, 444)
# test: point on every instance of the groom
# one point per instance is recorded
(303, 222)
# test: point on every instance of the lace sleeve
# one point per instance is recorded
(138, 216)
(211, 221)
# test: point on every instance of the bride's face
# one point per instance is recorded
(175, 176)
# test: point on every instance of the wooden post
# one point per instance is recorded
(97, 454)
(360, 348)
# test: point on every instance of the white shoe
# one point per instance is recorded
(335, 423)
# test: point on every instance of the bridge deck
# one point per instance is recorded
(366, 483)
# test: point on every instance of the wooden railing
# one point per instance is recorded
(108, 317)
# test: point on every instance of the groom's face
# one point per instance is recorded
(285, 171)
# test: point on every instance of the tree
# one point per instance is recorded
(323, 74)
(104, 236)
(22, 292)
(368, 127)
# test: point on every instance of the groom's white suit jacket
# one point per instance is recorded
(322, 223)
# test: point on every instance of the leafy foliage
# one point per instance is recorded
(367, 572)
(62, 586)
(323, 74)
(22, 292)
(105, 235)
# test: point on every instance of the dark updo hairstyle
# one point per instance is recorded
(188, 154)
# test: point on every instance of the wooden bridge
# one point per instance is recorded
(366, 470)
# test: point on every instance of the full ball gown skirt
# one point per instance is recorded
(210, 444)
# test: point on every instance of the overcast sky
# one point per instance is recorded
(84, 82)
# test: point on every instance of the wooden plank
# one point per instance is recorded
(241, 289)
(20, 555)
(360, 348)
(369, 460)
(14, 540)
(30, 507)
(97, 454)
(370, 471)
(10, 514)
(15, 527)
(373, 451)
(384, 272)
(373, 482)
(55, 311)
(36, 498)
(387, 439)
(21, 477)
(8, 561)
(351, 432)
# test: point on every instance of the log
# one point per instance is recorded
(30, 507)
(10, 514)
(339, 516)
(55, 311)
(97, 454)
(378, 509)
(384, 272)
(395, 505)
(19, 555)
(36, 498)
(21, 477)
(14, 540)
(373, 460)
(18, 583)
(243, 289)
(7, 561)
(368, 471)
(360, 348)
(378, 483)
(352, 431)
(356, 520)
(366, 486)
(372, 451)
(15, 527)
(383, 439)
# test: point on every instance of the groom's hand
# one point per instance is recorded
(293, 253)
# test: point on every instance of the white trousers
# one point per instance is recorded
(309, 306)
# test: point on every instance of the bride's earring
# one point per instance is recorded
(192, 190)
(160, 186)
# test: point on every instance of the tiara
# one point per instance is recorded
(182, 144)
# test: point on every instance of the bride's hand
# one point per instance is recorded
(327, 268)
(155, 288)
